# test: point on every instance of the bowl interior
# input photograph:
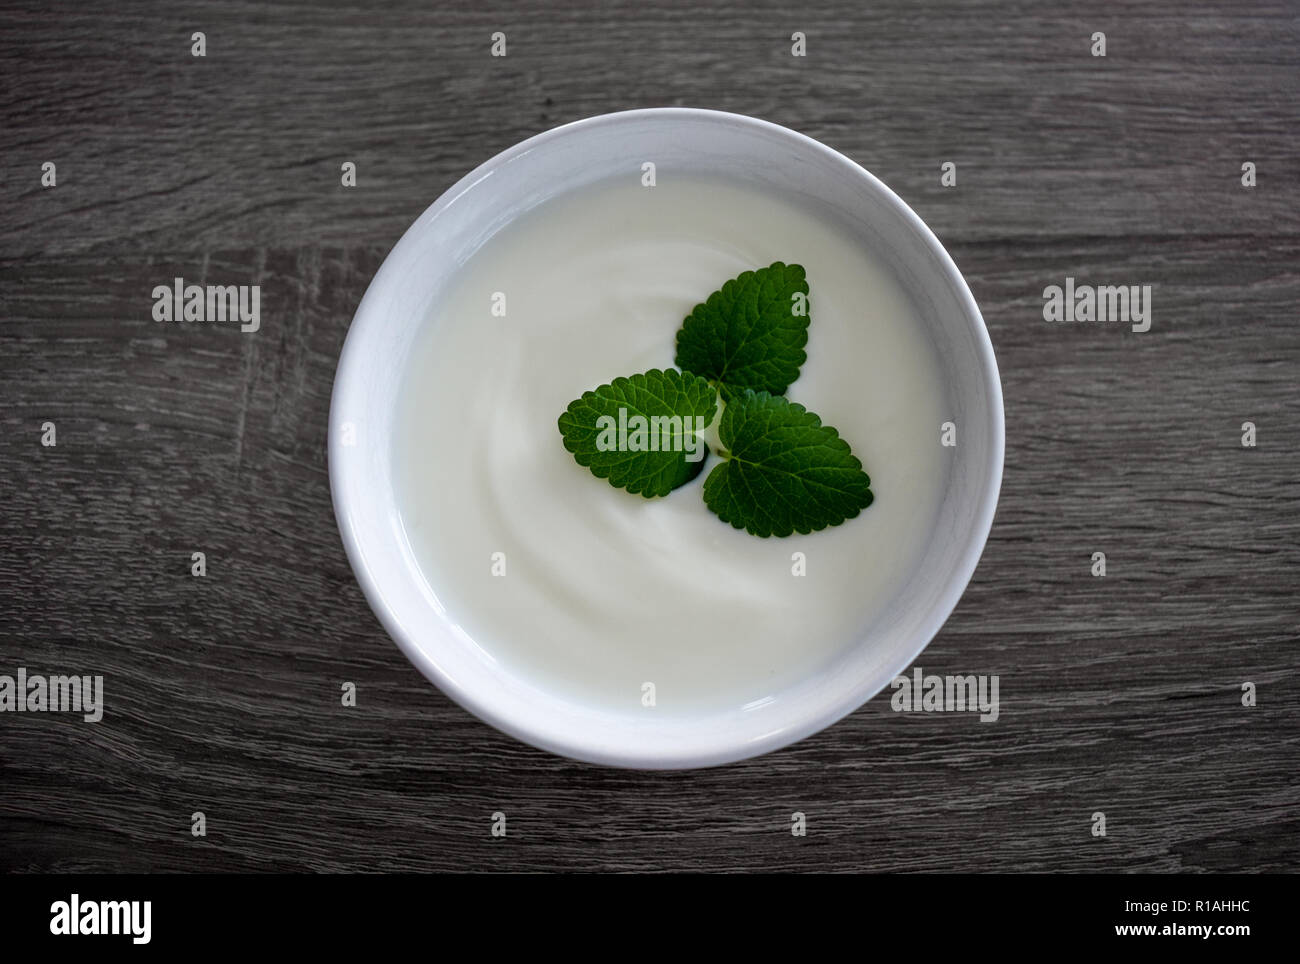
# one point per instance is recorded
(401, 298)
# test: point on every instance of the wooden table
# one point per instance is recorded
(1120, 694)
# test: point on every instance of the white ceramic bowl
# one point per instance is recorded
(400, 300)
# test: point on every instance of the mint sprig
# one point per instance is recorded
(643, 433)
(785, 471)
(750, 333)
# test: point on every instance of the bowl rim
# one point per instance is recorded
(492, 711)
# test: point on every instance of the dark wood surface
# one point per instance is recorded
(1119, 694)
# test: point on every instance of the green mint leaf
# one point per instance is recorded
(749, 334)
(787, 472)
(643, 433)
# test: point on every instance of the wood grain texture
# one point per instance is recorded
(1119, 694)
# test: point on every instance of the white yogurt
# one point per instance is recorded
(605, 591)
